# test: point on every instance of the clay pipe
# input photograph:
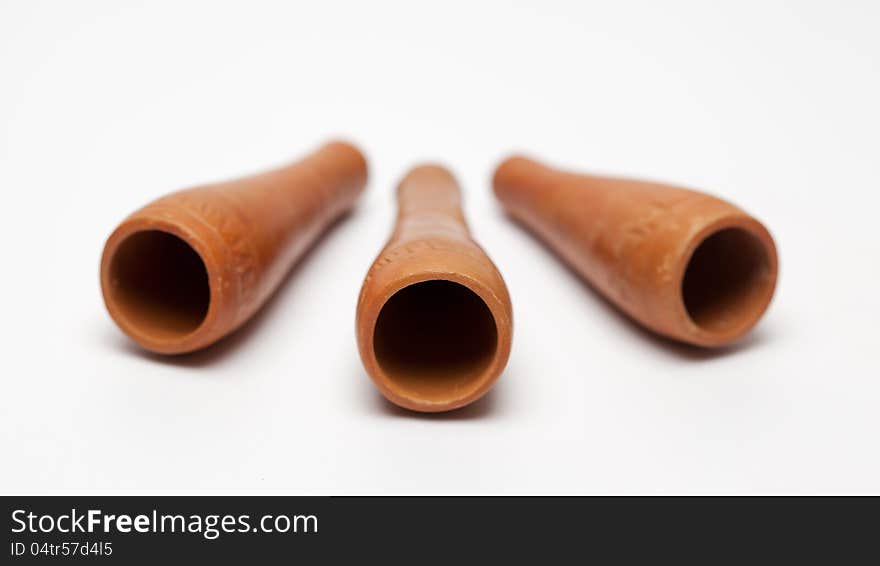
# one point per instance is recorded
(191, 267)
(434, 320)
(684, 264)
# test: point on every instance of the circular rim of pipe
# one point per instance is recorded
(700, 335)
(482, 384)
(187, 342)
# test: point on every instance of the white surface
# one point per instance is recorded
(105, 106)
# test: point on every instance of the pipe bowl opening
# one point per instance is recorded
(728, 281)
(159, 284)
(434, 342)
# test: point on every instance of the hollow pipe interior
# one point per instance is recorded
(434, 340)
(727, 280)
(159, 283)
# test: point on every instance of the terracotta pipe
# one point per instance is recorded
(434, 320)
(684, 264)
(191, 267)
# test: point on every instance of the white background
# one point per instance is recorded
(772, 105)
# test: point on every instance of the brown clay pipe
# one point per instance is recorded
(191, 267)
(685, 264)
(434, 320)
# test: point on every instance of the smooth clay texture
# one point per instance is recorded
(684, 264)
(191, 267)
(434, 320)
